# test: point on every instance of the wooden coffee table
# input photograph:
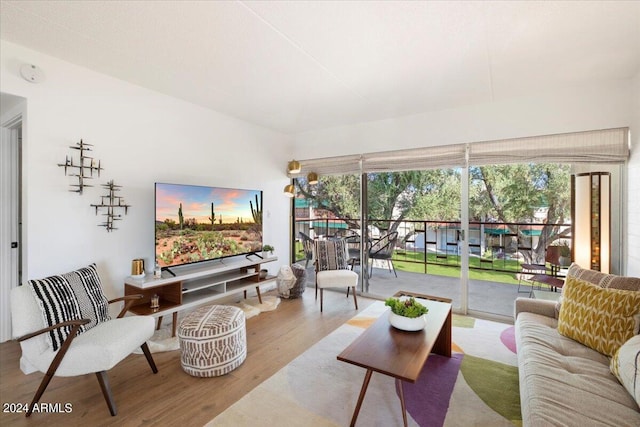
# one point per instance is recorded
(399, 354)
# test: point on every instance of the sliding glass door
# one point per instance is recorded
(516, 212)
(415, 233)
(328, 209)
(457, 220)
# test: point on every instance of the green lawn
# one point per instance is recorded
(403, 262)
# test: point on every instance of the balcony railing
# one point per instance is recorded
(500, 247)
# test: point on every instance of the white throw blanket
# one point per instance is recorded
(285, 281)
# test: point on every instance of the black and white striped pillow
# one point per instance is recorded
(74, 295)
(88, 289)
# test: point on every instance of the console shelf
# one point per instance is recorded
(196, 285)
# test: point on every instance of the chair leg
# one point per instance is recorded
(321, 289)
(520, 284)
(393, 267)
(43, 386)
(147, 354)
(53, 367)
(355, 300)
(259, 296)
(106, 391)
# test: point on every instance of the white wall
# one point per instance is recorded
(575, 109)
(633, 204)
(141, 137)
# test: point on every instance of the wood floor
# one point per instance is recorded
(172, 397)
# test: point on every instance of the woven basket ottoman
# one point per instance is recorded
(213, 340)
(301, 281)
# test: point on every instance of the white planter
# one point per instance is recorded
(406, 323)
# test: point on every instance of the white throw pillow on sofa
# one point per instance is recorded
(625, 364)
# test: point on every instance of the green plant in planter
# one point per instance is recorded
(565, 250)
(408, 308)
(268, 248)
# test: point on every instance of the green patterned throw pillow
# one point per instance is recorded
(600, 318)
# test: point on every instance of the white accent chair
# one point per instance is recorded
(94, 351)
(332, 268)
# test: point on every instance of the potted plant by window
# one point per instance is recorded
(407, 314)
(565, 254)
(268, 249)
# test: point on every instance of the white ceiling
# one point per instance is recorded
(295, 66)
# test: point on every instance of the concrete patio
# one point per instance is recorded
(490, 298)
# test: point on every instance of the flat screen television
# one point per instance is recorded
(196, 223)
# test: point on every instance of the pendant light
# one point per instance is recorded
(312, 178)
(293, 166)
(289, 190)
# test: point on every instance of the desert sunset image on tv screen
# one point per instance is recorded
(195, 223)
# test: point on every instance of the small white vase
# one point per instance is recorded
(406, 323)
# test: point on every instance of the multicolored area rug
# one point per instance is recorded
(477, 386)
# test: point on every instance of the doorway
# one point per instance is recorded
(10, 207)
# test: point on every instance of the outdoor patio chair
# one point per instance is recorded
(353, 249)
(527, 271)
(79, 337)
(332, 268)
(547, 273)
(383, 249)
(341, 234)
(307, 247)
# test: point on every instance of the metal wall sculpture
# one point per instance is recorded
(111, 205)
(84, 169)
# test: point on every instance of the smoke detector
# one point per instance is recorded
(32, 73)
